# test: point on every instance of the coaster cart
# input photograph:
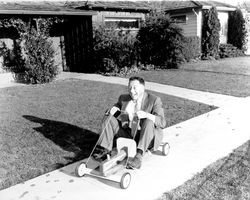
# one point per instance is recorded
(108, 169)
(114, 167)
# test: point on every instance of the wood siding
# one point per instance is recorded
(190, 27)
(100, 17)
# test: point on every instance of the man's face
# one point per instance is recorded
(136, 89)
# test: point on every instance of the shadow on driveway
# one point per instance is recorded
(69, 137)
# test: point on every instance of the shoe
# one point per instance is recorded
(100, 153)
(135, 163)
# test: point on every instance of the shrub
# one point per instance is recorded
(32, 59)
(210, 33)
(228, 51)
(237, 31)
(191, 48)
(159, 41)
(113, 49)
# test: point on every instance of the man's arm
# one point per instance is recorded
(116, 107)
(158, 112)
(156, 115)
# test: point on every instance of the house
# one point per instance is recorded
(189, 15)
(125, 15)
(72, 39)
(129, 14)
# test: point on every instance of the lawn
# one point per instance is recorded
(226, 179)
(227, 76)
(45, 127)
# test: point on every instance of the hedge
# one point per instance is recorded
(191, 48)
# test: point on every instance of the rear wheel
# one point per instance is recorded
(125, 180)
(165, 149)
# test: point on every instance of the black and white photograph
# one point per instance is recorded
(124, 100)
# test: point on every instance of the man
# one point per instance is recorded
(137, 104)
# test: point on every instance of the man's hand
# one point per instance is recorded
(142, 114)
(113, 110)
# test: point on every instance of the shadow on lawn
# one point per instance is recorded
(69, 137)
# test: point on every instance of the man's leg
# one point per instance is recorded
(111, 130)
(146, 135)
(144, 140)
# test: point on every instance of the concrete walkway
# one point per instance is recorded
(195, 144)
(194, 95)
(6, 80)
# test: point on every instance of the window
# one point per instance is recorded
(122, 23)
(179, 18)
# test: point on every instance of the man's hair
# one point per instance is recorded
(133, 78)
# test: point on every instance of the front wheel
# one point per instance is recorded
(81, 170)
(125, 180)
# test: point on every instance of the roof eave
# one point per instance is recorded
(183, 9)
(55, 13)
(220, 8)
(95, 8)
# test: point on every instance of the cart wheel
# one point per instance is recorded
(125, 180)
(81, 169)
(165, 149)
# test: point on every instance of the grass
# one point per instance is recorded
(44, 127)
(47, 126)
(227, 76)
(226, 179)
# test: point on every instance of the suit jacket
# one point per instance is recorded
(150, 104)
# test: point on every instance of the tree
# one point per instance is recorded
(32, 59)
(210, 33)
(237, 31)
(159, 41)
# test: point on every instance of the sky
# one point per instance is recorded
(233, 2)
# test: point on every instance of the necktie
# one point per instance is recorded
(135, 120)
(137, 106)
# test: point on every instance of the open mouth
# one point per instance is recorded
(133, 96)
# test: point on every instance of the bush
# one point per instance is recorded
(237, 31)
(191, 48)
(32, 59)
(159, 41)
(228, 51)
(113, 49)
(39, 57)
(210, 34)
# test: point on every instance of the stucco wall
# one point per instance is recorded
(223, 17)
